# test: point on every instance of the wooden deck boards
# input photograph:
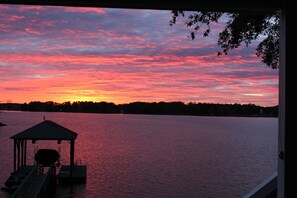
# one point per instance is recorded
(22, 172)
(37, 183)
(32, 184)
(79, 174)
(18, 177)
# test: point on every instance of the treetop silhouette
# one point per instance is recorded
(240, 28)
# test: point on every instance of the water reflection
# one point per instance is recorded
(158, 156)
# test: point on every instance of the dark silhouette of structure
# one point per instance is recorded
(30, 180)
(46, 130)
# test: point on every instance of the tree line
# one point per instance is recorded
(155, 108)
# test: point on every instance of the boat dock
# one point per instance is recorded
(40, 180)
(79, 174)
(34, 183)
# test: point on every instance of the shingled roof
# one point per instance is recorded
(46, 130)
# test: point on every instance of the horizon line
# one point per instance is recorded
(186, 103)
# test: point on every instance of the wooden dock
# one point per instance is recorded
(79, 174)
(33, 182)
(39, 181)
(17, 177)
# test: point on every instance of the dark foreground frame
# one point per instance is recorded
(286, 110)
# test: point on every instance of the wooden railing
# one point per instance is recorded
(47, 181)
(40, 190)
(264, 189)
(25, 184)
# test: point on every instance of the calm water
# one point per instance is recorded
(155, 156)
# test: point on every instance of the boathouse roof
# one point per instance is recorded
(46, 130)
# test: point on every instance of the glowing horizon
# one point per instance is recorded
(64, 54)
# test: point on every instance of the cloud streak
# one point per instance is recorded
(70, 54)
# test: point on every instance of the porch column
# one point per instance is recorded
(18, 153)
(71, 156)
(22, 152)
(14, 154)
(25, 152)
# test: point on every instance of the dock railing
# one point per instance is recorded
(25, 184)
(47, 183)
(265, 189)
(42, 188)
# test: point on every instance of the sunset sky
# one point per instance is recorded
(119, 55)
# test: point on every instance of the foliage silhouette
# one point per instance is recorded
(154, 108)
(240, 28)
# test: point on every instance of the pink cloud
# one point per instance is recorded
(85, 10)
(30, 8)
(60, 60)
(32, 31)
(13, 18)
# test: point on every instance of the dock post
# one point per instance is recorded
(22, 152)
(71, 157)
(18, 153)
(14, 155)
(25, 153)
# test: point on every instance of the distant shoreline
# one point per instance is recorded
(152, 108)
(242, 116)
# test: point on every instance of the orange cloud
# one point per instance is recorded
(81, 54)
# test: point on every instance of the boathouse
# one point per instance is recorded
(26, 174)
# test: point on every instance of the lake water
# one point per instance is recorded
(155, 156)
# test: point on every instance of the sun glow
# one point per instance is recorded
(83, 55)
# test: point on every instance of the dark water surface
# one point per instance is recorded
(155, 156)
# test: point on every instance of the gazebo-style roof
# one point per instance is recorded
(46, 130)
